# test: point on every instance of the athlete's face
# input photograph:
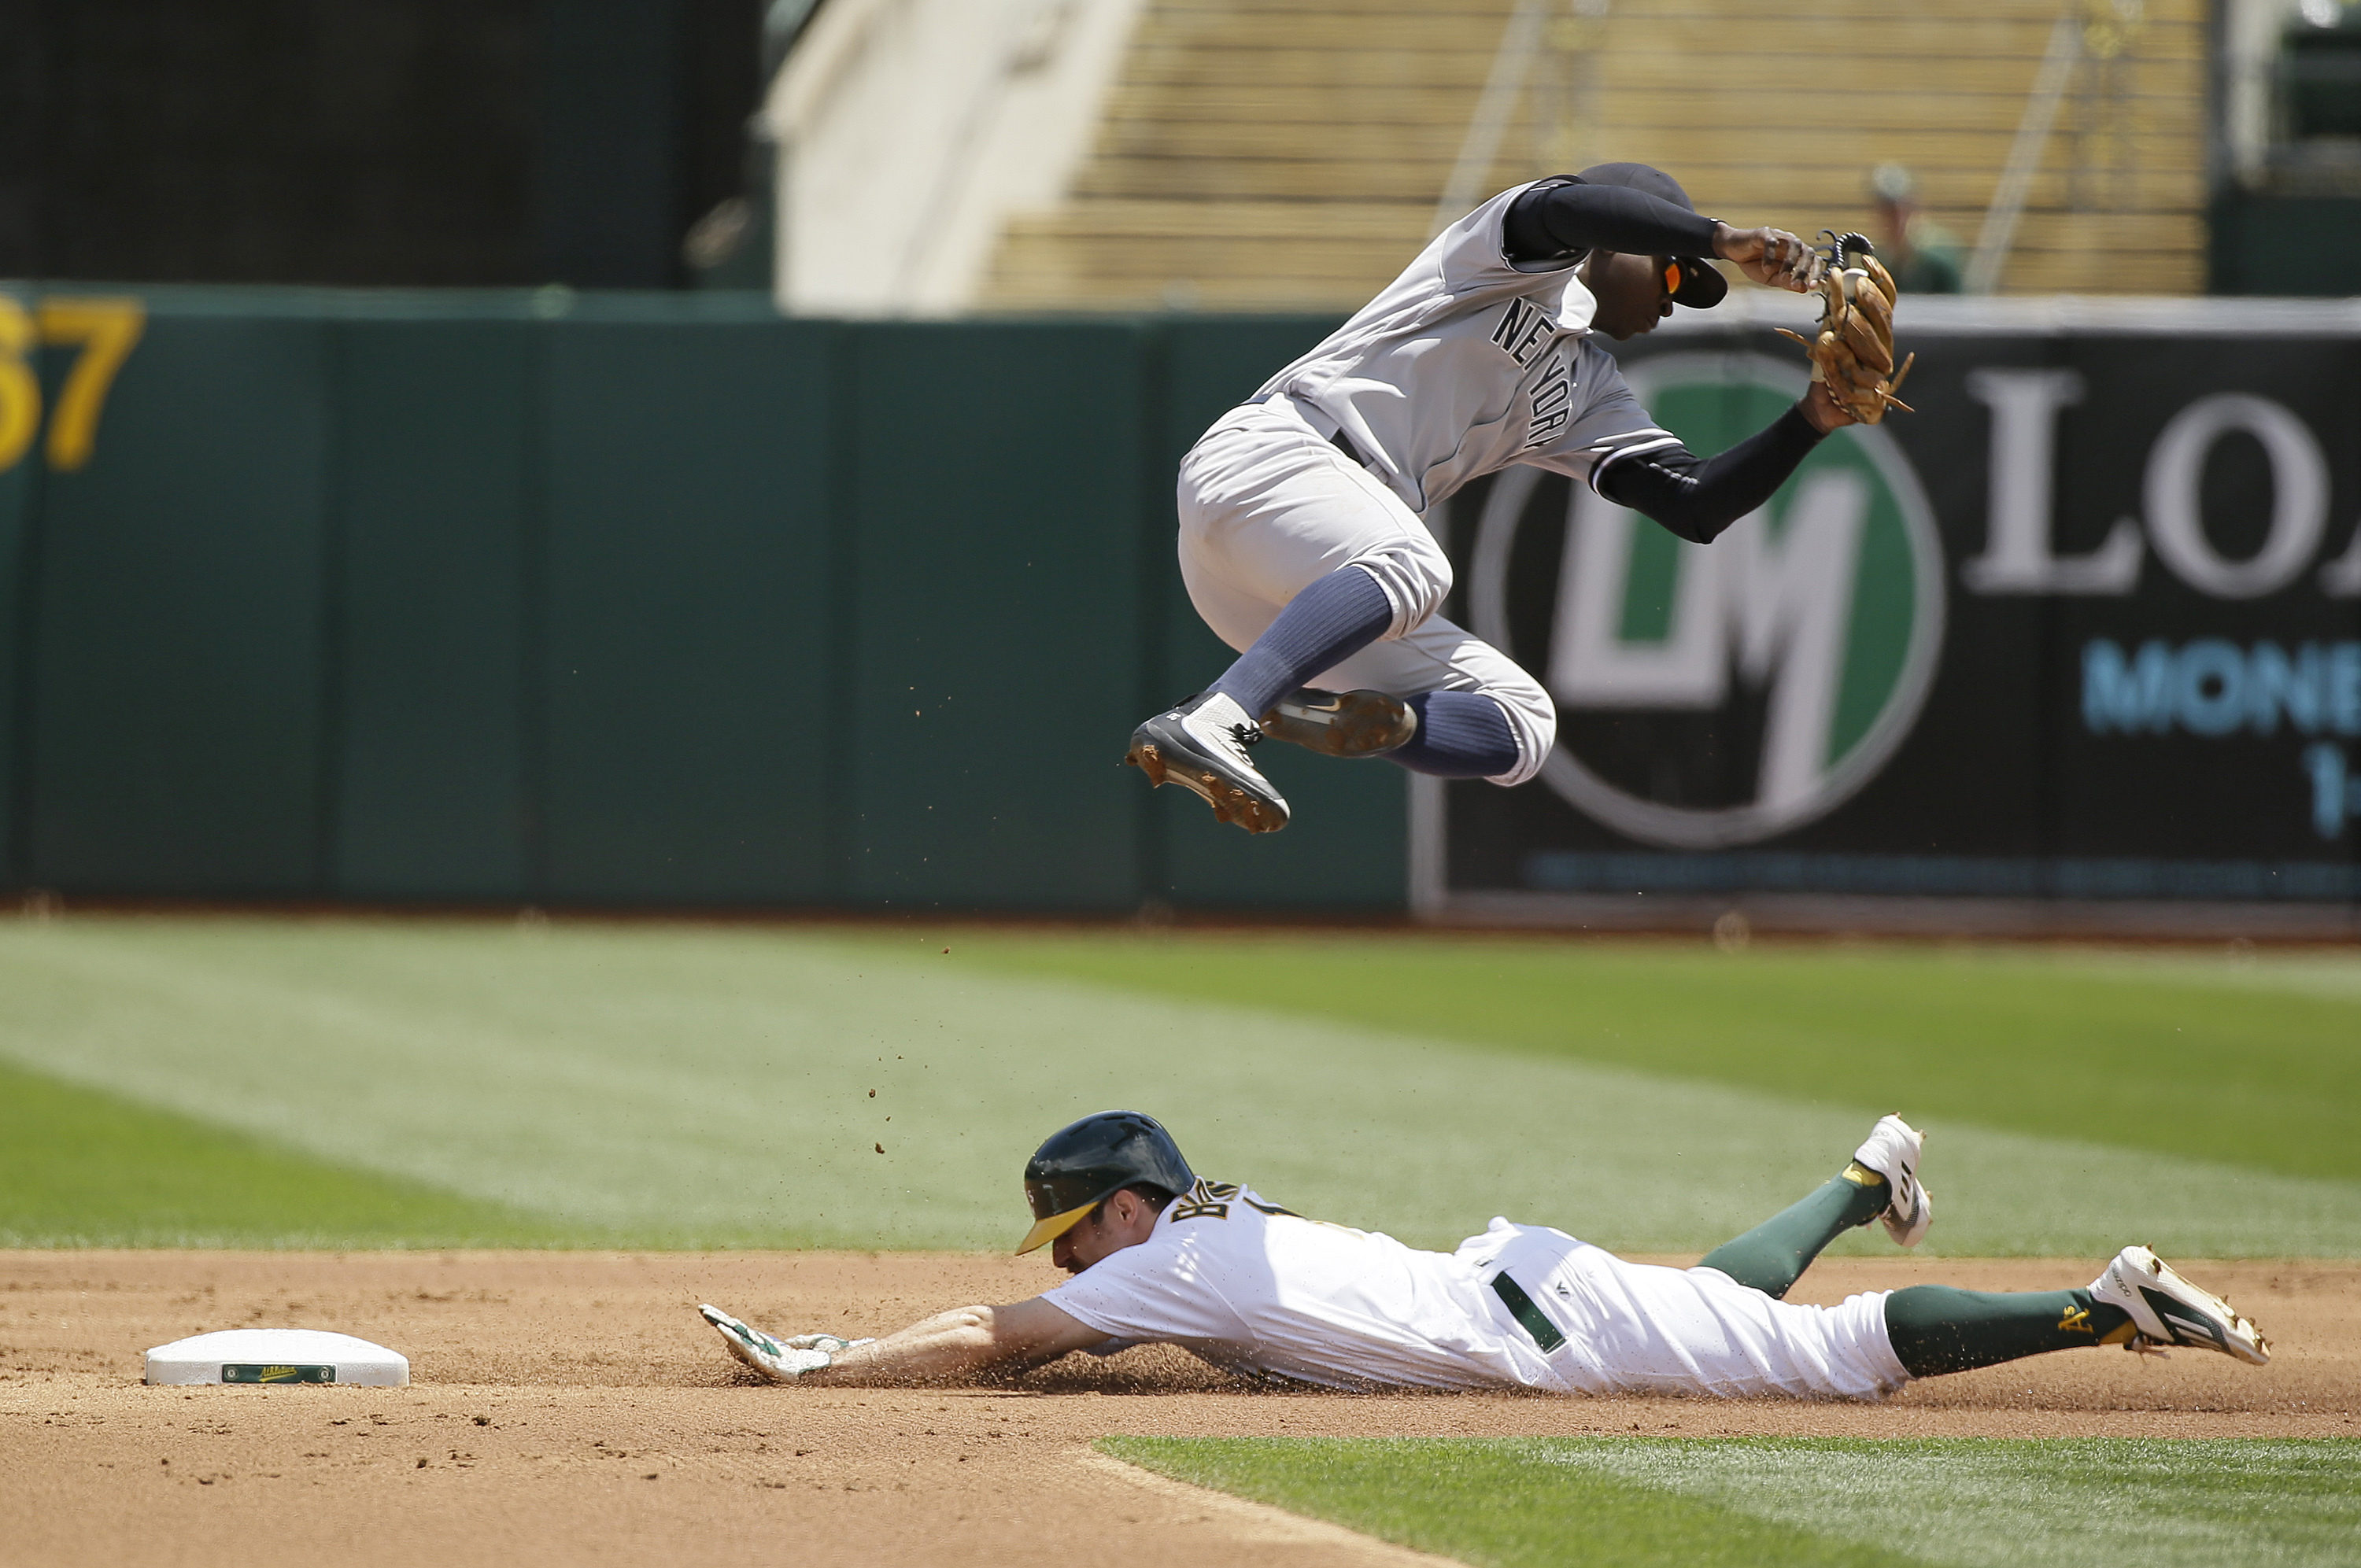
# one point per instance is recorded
(1630, 290)
(1122, 1221)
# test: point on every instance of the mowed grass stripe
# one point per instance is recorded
(2196, 1054)
(678, 1086)
(1467, 1500)
(1697, 1502)
(81, 1168)
(1977, 1502)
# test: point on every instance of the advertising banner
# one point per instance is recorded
(2085, 626)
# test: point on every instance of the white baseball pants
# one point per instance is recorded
(1267, 507)
(1638, 1328)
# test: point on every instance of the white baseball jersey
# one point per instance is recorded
(1465, 363)
(1250, 1286)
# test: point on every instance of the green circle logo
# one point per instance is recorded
(1710, 695)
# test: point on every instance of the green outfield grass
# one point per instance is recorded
(1704, 1503)
(79, 1168)
(371, 1082)
(2188, 1053)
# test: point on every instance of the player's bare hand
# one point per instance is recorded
(1770, 256)
(1822, 410)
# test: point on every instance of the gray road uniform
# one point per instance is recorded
(1465, 363)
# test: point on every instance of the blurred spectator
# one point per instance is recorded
(1921, 253)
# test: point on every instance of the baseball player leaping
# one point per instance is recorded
(1160, 1255)
(1302, 538)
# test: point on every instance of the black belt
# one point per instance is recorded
(1521, 1307)
(1340, 441)
(1344, 444)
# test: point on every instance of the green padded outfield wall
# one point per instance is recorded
(179, 616)
(689, 638)
(623, 601)
(428, 793)
(21, 470)
(996, 598)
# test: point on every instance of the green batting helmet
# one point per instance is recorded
(1079, 1167)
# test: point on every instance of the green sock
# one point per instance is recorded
(1936, 1328)
(1773, 1254)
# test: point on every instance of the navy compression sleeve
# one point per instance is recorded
(1559, 223)
(1695, 497)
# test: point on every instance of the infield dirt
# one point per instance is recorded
(571, 1408)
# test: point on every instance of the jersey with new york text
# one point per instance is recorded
(1468, 363)
(1253, 1286)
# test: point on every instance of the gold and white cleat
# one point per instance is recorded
(2167, 1309)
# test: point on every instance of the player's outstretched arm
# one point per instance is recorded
(960, 1344)
(1770, 256)
(1561, 222)
(1696, 497)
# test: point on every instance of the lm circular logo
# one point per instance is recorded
(1717, 694)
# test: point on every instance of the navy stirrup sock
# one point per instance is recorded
(1461, 735)
(1325, 624)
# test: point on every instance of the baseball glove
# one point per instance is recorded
(1854, 351)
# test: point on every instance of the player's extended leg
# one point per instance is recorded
(1934, 1329)
(1476, 714)
(1298, 559)
(1938, 1328)
(2138, 1302)
(1773, 1254)
(1332, 620)
(1460, 735)
(1200, 742)
(1882, 1180)
(1449, 734)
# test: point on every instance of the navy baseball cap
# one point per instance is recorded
(1689, 280)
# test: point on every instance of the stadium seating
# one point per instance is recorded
(1290, 153)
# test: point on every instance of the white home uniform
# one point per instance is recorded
(1464, 365)
(1250, 1286)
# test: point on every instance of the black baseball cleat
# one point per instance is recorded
(1341, 724)
(1201, 745)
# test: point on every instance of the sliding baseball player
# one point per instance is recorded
(1161, 1256)
(1304, 542)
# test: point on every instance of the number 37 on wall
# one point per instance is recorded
(103, 329)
